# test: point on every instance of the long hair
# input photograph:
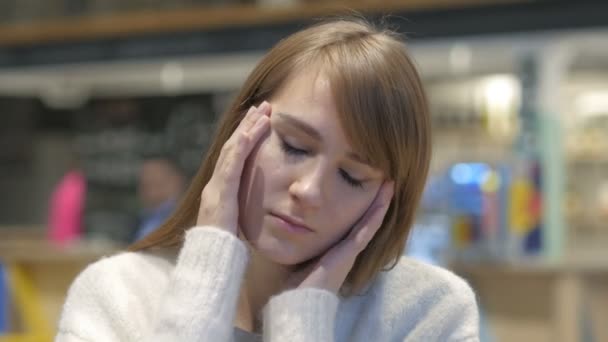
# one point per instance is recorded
(382, 108)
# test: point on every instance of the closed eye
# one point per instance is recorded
(291, 150)
(298, 152)
(350, 180)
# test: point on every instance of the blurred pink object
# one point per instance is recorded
(66, 208)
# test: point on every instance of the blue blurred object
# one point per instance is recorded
(485, 333)
(152, 219)
(430, 239)
(469, 173)
(3, 302)
(465, 189)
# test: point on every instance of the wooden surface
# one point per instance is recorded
(29, 244)
(580, 263)
(52, 282)
(597, 301)
(568, 304)
(542, 302)
(40, 251)
(205, 18)
(41, 274)
(517, 308)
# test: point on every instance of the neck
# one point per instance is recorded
(264, 278)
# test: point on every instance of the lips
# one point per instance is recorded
(291, 222)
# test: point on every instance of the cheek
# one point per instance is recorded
(339, 215)
(355, 209)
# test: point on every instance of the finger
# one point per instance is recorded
(235, 161)
(252, 117)
(248, 120)
(304, 271)
(367, 227)
(254, 135)
(264, 108)
(343, 255)
(228, 170)
(244, 124)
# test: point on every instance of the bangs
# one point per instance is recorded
(368, 109)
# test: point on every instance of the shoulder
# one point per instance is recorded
(424, 278)
(120, 275)
(126, 267)
(114, 294)
(437, 301)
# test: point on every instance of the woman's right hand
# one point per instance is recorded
(219, 199)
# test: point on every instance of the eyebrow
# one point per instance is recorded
(313, 133)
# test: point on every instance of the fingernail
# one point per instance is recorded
(264, 107)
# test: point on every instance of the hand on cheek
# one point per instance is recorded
(331, 269)
(219, 198)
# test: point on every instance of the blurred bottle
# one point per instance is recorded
(525, 218)
(66, 208)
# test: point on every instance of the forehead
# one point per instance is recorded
(308, 97)
(308, 85)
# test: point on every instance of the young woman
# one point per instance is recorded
(294, 227)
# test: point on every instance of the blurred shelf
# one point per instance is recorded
(30, 246)
(242, 29)
(587, 265)
(208, 18)
(583, 256)
(587, 162)
(44, 252)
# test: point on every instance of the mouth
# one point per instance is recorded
(289, 223)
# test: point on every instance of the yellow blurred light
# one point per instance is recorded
(491, 182)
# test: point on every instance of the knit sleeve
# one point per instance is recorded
(198, 301)
(462, 322)
(301, 315)
(449, 313)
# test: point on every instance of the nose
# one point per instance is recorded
(307, 188)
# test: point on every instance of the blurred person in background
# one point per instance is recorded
(294, 227)
(161, 184)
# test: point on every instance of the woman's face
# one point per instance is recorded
(303, 186)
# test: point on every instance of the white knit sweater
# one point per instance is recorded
(145, 297)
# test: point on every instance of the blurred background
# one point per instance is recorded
(107, 107)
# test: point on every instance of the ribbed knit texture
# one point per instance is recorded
(284, 319)
(148, 297)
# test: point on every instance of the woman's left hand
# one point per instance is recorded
(331, 269)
